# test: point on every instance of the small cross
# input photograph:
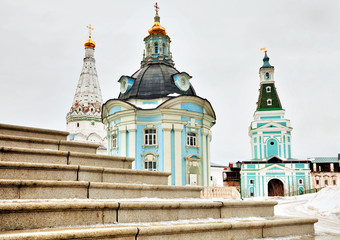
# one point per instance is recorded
(90, 28)
(156, 8)
(263, 49)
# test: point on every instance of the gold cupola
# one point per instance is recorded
(157, 28)
(89, 43)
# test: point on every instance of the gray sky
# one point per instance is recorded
(216, 42)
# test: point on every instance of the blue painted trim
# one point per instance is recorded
(149, 119)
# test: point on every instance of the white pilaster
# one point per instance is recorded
(205, 176)
(178, 154)
(132, 143)
(122, 131)
(167, 148)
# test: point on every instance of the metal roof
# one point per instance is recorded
(324, 159)
(155, 81)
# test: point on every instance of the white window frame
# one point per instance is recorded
(268, 89)
(146, 137)
(269, 102)
(192, 139)
(150, 161)
(114, 140)
(251, 181)
(300, 181)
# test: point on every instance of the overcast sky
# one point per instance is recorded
(216, 42)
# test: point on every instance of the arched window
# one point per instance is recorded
(150, 161)
(268, 89)
(163, 48)
(269, 102)
(77, 124)
(156, 47)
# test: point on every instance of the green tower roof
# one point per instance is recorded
(268, 99)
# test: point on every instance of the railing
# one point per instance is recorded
(296, 193)
(220, 192)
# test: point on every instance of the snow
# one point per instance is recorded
(326, 202)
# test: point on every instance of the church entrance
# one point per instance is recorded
(275, 188)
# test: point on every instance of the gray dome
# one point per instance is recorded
(155, 81)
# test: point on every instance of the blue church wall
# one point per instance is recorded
(154, 118)
(191, 107)
(270, 117)
(159, 150)
(115, 109)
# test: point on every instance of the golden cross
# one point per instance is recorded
(90, 28)
(156, 8)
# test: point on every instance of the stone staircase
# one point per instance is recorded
(54, 189)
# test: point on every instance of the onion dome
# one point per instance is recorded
(266, 63)
(89, 43)
(157, 28)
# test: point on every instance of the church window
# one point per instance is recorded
(163, 48)
(300, 181)
(326, 182)
(156, 47)
(251, 181)
(150, 161)
(317, 182)
(191, 139)
(334, 182)
(268, 89)
(269, 102)
(114, 141)
(77, 124)
(150, 135)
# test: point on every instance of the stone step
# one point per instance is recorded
(23, 215)
(217, 229)
(50, 144)
(8, 129)
(27, 189)
(62, 157)
(37, 171)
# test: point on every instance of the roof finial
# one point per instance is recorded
(90, 28)
(156, 8)
(89, 43)
(265, 59)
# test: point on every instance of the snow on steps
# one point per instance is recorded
(37, 189)
(240, 229)
(16, 215)
(20, 154)
(8, 129)
(63, 157)
(51, 144)
(57, 172)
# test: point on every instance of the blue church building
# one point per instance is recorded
(158, 118)
(272, 170)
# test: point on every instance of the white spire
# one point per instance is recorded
(84, 118)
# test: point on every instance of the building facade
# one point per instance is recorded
(269, 132)
(272, 171)
(158, 119)
(325, 171)
(275, 177)
(83, 121)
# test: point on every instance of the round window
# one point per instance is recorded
(271, 143)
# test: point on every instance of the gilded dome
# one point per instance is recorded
(89, 43)
(157, 28)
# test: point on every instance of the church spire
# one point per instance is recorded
(88, 98)
(268, 99)
(157, 44)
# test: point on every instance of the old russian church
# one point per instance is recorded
(272, 171)
(84, 119)
(158, 119)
